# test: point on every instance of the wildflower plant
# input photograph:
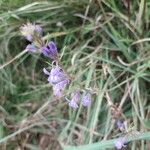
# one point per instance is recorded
(57, 76)
(61, 81)
(96, 74)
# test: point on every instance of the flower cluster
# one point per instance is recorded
(33, 33)
(57, 77)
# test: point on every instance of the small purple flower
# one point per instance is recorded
(120, 125)
(46, 72)
(74, 99)
(59, 87)
(58, 79)
(56, 75)
(50, 50)
(73, 104)
(75, 96)
(120, 143)
(31, 48)
(29, 29)
(86, 100)
(57, 71)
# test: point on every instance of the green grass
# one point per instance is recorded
(104, 45)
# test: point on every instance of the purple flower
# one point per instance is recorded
(120, 143)
(31, 48)
(59, 87)
(57, 71)
(58, 79)
(29, 29)
(56, 75)
(75, 96)
(120, 125)
(50, 50)
(74, 99)
(86, 100)
(73, 104)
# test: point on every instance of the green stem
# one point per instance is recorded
(12, 60)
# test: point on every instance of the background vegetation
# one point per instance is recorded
(104, 44)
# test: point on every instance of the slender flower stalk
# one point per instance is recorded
(12, 60)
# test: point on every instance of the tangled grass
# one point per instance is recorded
(104, 45)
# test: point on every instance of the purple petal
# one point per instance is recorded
(53, 47)
(86, 100)
(57, 71)
(45, 51)
(75, 96)
(74, 99)
(56, 75)
(57, 92)
(59, 87)
(50, 50)
(73, 104)
(46, 72)
(120, 143)
(54, 79)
